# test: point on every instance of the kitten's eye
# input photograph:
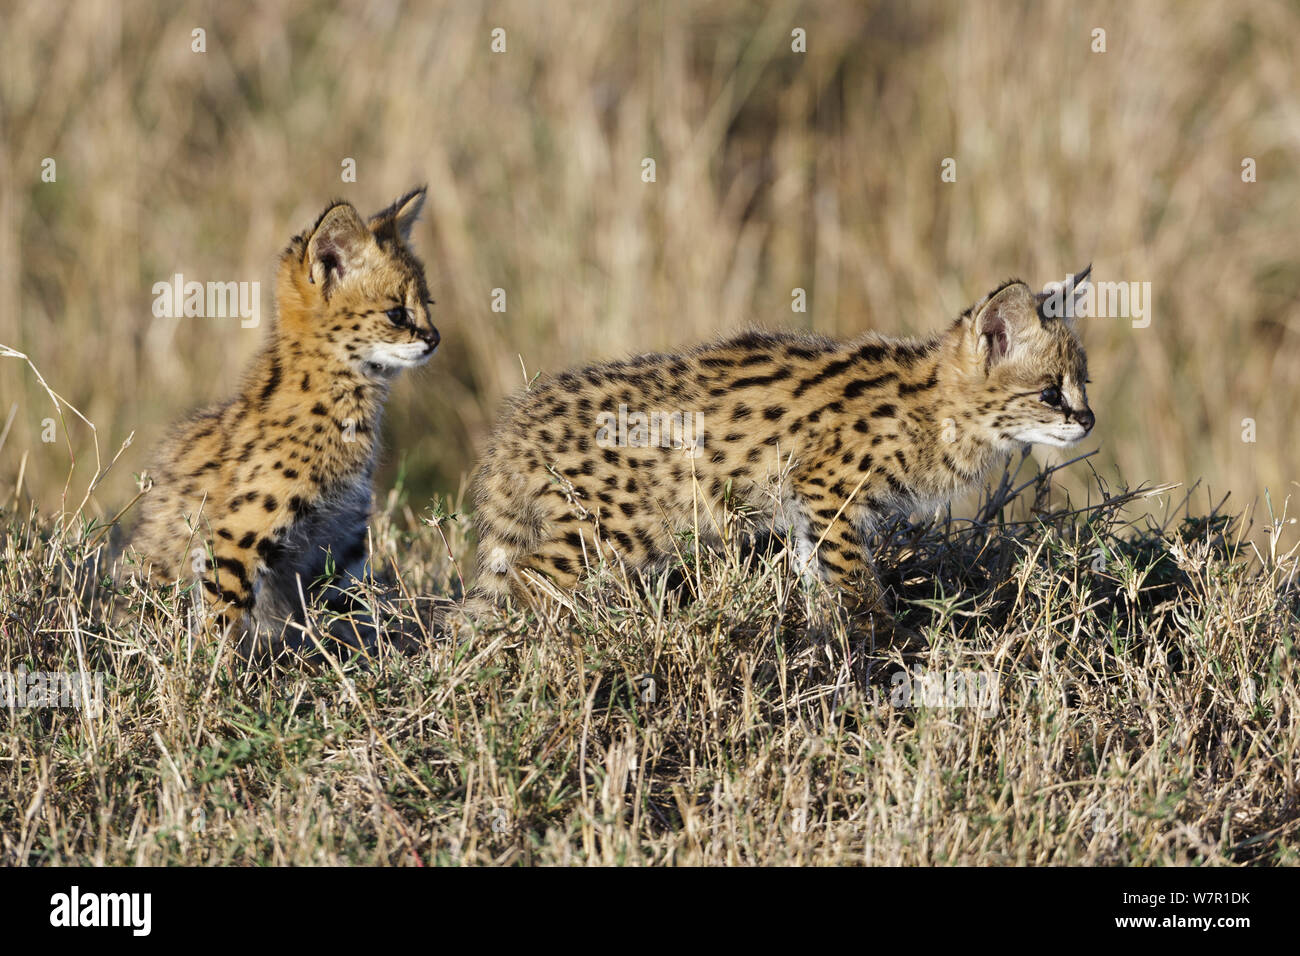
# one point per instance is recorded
(397, 316)
(1051, 396)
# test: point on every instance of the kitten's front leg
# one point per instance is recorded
(840, 577)
(248, 542)
(227, 579)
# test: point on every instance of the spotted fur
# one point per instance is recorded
(822, 436)
(269, 490)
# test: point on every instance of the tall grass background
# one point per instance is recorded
(775, 170)
(1146, 679)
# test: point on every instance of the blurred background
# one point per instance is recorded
(774, 170)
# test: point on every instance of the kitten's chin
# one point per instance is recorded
(1054, 436)
(386, 361)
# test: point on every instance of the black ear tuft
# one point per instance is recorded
(1062, 299)
(401, 215)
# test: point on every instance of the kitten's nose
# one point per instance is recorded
(431, 336)
(1086, 419)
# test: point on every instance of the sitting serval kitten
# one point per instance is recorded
(273, 486)
(821, 437)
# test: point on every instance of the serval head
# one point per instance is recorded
(1023, 365)
(351, 291)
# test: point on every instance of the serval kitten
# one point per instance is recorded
(273, 486)
(820, 437)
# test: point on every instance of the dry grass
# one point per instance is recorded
(1146, 703)
(1141, 709)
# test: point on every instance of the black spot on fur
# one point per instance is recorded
(272, 381)
(860, 385)
(909, 388)
(236, 568)
(828, 371)
(758, 380)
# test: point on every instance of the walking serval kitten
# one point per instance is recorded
(273, 486)
(822, 436)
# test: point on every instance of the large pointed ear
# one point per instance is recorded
(401, 214)
(336, 246)
(1065, 300)
(1002, 320)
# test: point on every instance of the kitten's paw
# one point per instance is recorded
(460, 620)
